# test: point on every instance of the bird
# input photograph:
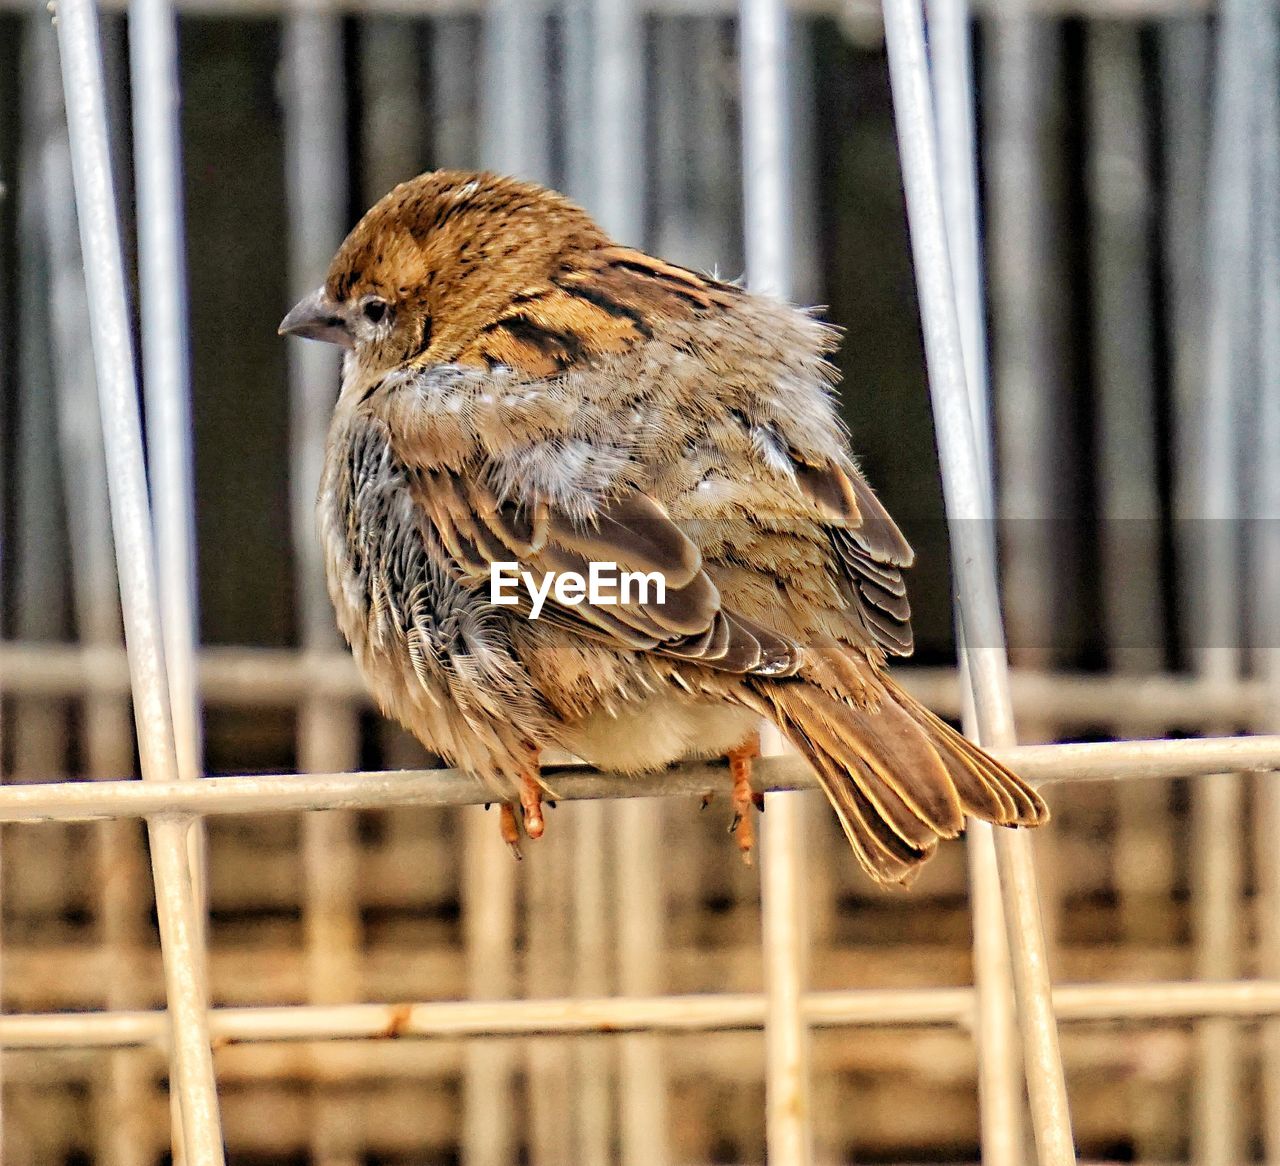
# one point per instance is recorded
(520, 391)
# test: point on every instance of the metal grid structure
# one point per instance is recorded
(1013, 1000)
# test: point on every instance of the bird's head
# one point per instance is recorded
(436, 262)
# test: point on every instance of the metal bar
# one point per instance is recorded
(591, 946)
(489, 923)
(37, 729)
(515, 138)
(113, 358)
(1266, 575)
(1171, 1002)
(162, 275)
(488, 880)
(1217, 874)
(252, 677)
(513, 109)
(975, 568)
(328, 729)
(999, 1057)
(1119, 186)
(77, 801)
(166, 379)
(120, 1090)
(1021, 95)
(767, 236)
(618, 162)
(153, 52)
(619, 139)
(863, 12)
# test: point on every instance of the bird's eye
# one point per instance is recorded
(375, 310)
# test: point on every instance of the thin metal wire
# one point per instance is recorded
(113, 359)
(615, 143)
(1159, 1002)
(767, 237)
(166, 384)
(975, 569)
(1019, 97)
(162, 279)
(515, 139)
(166, 379)
(1266, 576)
(122, 1088)
(328, 728)
(242, 677)
(860, 14)
(37, 728)
(1120, 205)
(1217, 872)
(1000, 1092)
(72, 801)
(489, 923)
(514, 98)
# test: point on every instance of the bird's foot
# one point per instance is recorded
(524, 816)
(744, 797)
(509, 824)
(531, 805)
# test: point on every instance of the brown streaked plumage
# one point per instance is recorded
(518, 388)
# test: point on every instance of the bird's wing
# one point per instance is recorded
(686, 620)
(872, 554)
(620, 305)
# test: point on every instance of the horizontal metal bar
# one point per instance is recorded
(863, 12)
(1173, 1001)
(1040, 764)
(252, 677)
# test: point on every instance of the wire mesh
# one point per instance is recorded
(619, 1097)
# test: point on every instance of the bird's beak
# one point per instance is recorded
(317, 317)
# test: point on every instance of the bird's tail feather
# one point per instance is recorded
(898, 777)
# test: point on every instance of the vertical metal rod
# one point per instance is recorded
(999, 1069)
(1184, 83)
(394, 110)
(514, 99)
(1020, 103)
(766, 191)
(1217, 1134)
(123, 1087)
(328, 728)
(696, 191)
(767, 233)
(975, 567)
(117, 388)
(619, 119)
(394, 106)
(39, 733)
(619, 164)
(38, 727)
(592, 941)
(489, 923)
(951, 69)
(1120, 206)
(515, 139)
(1266, 595)
(580, 175)
(596, 92)
(153, 54)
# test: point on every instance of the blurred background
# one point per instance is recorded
(1127, 225)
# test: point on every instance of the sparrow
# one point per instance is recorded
(518, 389)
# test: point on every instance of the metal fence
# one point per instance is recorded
(1013, 1012)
